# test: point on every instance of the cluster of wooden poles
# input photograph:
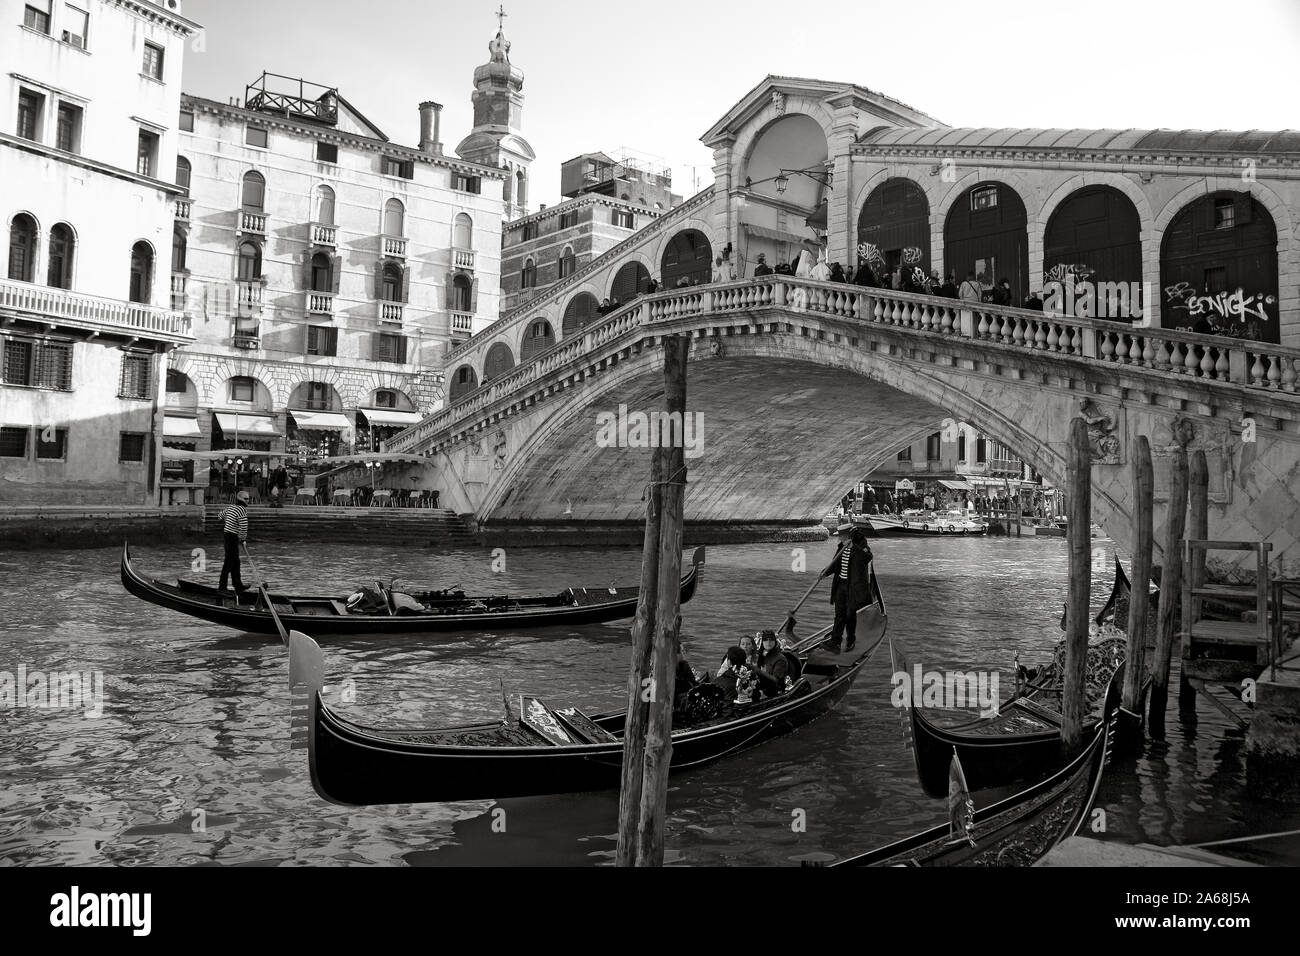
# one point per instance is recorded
(1079, 481)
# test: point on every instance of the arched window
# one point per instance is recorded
(520, 186)
(539, 337)
(141, 273)
(59, 275)
(394, 218)
(392, 284)
(254, 192)
(568, 262)
(463, 235)
(178, 250)
(460, 293)
(183, 172)
(250, 261)
(22, 248)
(528, 277)
(320, 273)
(324, 205)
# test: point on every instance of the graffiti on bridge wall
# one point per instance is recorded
(1226, 313)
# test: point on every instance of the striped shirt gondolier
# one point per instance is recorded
(844, 563)
(235, 521)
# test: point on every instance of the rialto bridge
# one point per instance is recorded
(805, 386)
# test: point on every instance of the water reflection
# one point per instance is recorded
(190, 763)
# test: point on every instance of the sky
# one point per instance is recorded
(653, 77)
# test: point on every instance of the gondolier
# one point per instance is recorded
(234, 524)
(850, 584)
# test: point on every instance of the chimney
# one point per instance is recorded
(430, 128)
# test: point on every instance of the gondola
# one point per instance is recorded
(1023, 738)
(541, 749)
(440, 611)
(1021, 829)
(929, 523)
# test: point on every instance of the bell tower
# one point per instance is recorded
(496, 139)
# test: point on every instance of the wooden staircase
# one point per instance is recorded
(1227, 651)
(413, 527)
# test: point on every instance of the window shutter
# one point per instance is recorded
(307, 271)
(336, 273)
(450, 288)
(376, 348)
(400, 349)
(406, 284)
(1242, 211)
(473, 296)
(1209, 217)
(379, 280)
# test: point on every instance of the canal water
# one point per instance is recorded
(189, 762)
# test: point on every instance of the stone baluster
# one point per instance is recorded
(1191, 361)
(1274, 371)
(896, 315)
(1135, 349)
(1289, 374)
(946, 323)
(1040, 336)
(1257, 370)
(877, 310)
(1053, 339)
(1148, 352)
(1176, 357)
(983, 329)
(1207, 364)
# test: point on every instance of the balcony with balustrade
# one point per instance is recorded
(323, 235)
(320, 303)
(463, 259)
(252, 223)
(462, 324)
(180, 283)
(249, 296)
(394, 247)
(181, 210)
(62, 309)
(391, 314)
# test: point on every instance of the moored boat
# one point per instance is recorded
(912, 522)
(542, 749)
(395, 612)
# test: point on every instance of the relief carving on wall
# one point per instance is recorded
(1103, 432)
(778, 101)
(500, 448)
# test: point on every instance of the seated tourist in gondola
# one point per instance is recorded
(771, 667)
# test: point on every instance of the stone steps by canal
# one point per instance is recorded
(420, 527)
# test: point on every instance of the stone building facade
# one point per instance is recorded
(87, 194)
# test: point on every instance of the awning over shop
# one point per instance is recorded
(176, 426)
(320, 420)
(180, 454)
(764, 232)
(818, 219)
(389, 416)
(955, 485)
(260, 425)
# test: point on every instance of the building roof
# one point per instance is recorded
(1127, 140)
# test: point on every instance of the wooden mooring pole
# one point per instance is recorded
(1140, 594)
(647, 747)
(1171, 585)
(1198, 530)
(638, 710)
(1079, 532)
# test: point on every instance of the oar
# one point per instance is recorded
(788, 626)
(253, 566)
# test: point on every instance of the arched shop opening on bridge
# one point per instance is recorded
(687, 260)
(894, 228)
(1094, 241)
(581, 310)
(786, 177)
(986, 233)
(1218, 269)
(463, 381)
(631, 280)
(499, 361)
(538, 337)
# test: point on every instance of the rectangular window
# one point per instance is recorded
(75, 21)
(18, 363)
(932, 446)
(37, 17)
(132, 448)
(961, 447)
(176, 382)
(568, 266)
(322, 340)
(986, 197)
(981, 451)
(153, 61)
(13, 442)
(187, 121)
(318, 396)
(465, 184)
(30, 106)
(1225, 213)
(905, 454)
(241, 389)
(255, 136)
(54, 366)
(531, 230)
(1215, 280)
(390, 348)
(56, 449)
(147, 153)
(327, 152)
(404, 169)
(568, 220)
(385, 399)
(135, 376)
(68, 137)
(623, 218)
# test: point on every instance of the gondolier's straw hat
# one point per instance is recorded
(844, 526)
